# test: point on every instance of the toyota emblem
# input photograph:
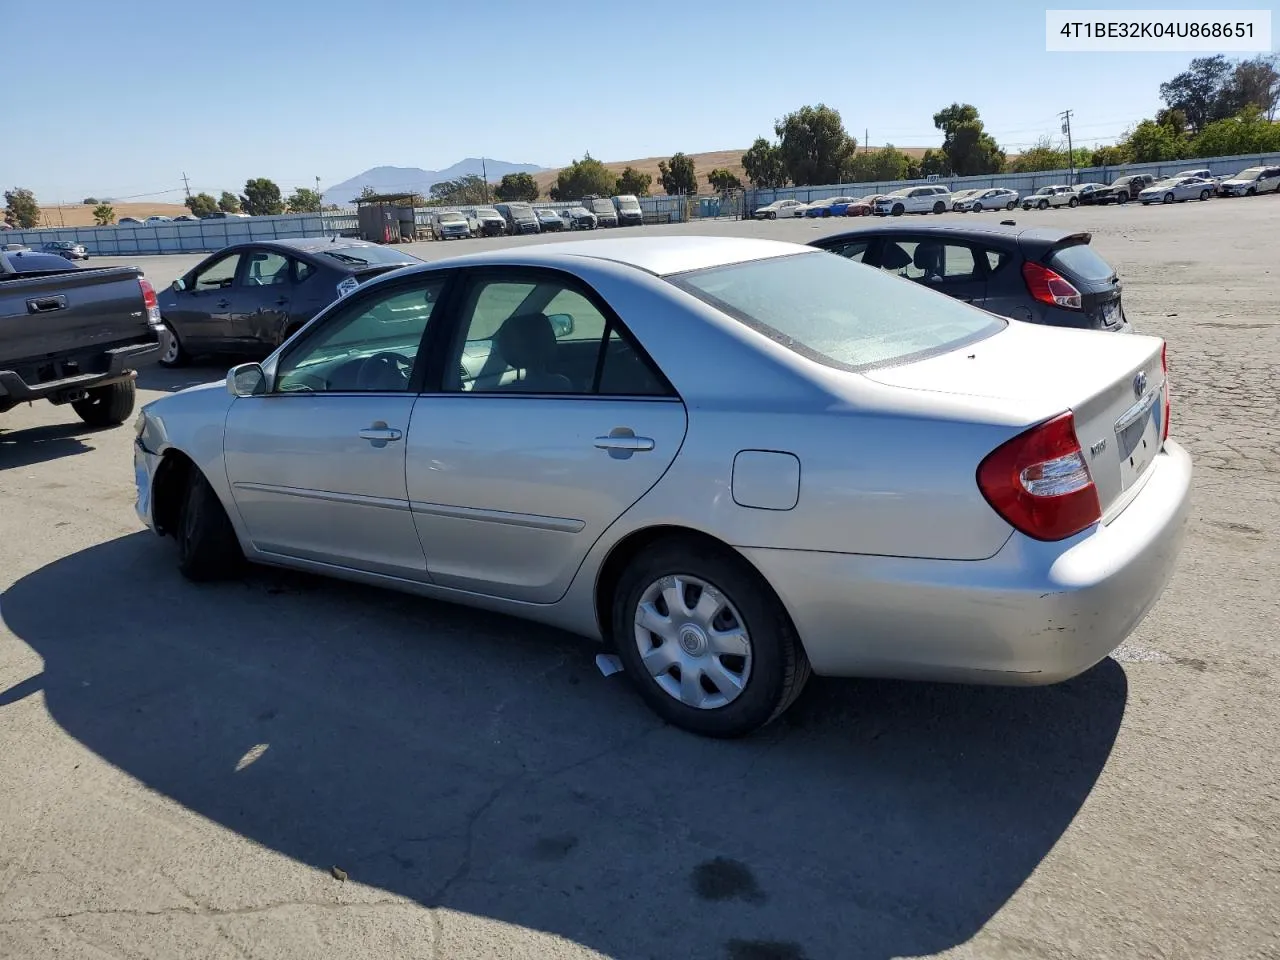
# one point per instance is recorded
(1139, 384)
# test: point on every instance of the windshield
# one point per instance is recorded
(370, 255)
(548, 214)
(602, 206)
(899, 193)
(1044, 190)
(838, 312)
(1251, 174)
(520, 211)
(628, 203)
(451, 217)
(489, 212)
(1171, 182)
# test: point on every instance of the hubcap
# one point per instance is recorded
(693, 642)
(170, 345)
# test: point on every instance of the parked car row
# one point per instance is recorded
(938, 198)
(512, 219)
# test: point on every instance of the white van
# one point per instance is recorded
(629, 212)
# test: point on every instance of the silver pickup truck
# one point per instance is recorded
(69, 335)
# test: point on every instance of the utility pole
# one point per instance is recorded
(186, 184)
(1071, 157)
(484, 174)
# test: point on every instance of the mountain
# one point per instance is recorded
(417, 180)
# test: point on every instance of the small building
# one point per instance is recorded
(388, 217)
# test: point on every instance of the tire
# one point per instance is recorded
(1168, 198)
(774, 670)
(1122, 197)
(977, 207)
(1204, 194)
(171, 352)
(939, 207)
(1012, 205)
(1073, 202)
(898, 210)
(772, 215)
(107, 406)
(1251, 192)
(207, 545)
(1043, 205)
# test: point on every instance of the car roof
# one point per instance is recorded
(975, 231)
(309, 244)
(660, 256)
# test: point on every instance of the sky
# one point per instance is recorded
(120, 98)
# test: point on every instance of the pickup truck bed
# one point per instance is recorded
(73, 336)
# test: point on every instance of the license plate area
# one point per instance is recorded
(1111, 315)
(1138, 438)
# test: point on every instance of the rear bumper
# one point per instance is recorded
(1035, 613)
(118, 364)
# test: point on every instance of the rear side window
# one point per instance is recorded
(839, 313)
(1081, 260)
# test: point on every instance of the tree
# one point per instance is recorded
(91, 201)
(633, 183)
(583, 178)
(229, 202)
(814, 145)
(303, 200)
(722, 181)
(21, 209)
(469, 189)
(1256, 83)
(104, 214)
(517, 186)
(1042, 155)
(261, 198)
(763, 165)
(1202, 92)
(1112, 156)
(1248, 132)
(880, 166)
(1150, 141)
(968, 148)
(678, 176)
(367, 191)
(201, 205)
(935, 163)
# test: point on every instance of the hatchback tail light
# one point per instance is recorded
(149, 301)
(1049, 286)
(1168, 411)
(1040, 483)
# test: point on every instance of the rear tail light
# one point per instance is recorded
(1050, 287)
(149, 301)
(1039, 481)
(1168, 412)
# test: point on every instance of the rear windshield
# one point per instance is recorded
(1083, 261)
(25, 261)
(837, 312)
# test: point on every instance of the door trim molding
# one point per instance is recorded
(304, 493)
(536, 521)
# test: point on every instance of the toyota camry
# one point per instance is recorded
(733, 461)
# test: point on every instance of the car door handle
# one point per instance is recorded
(379, 434)
(46, 304)
(224, 303)
(622, 442)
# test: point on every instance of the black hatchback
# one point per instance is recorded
(1036, 274)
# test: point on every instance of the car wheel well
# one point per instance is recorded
(168, 490)
(631, 546)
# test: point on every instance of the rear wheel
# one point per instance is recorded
(107, 406)
(207, 544)
(1204, 194)
(939, 207)
(171, 352)
(705, 640)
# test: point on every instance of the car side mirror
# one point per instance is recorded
(247, 380)
(562, 324)
(179, 285)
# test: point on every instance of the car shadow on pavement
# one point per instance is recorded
(476, 762)
(173, 379)
(25, 448)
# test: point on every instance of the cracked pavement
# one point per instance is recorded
(182, 768)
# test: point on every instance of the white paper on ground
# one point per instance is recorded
(608, 664)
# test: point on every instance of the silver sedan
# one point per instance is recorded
(1179, 189)
(733, 461)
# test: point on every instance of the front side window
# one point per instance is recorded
(837, 313)
(266, 269)
(371, 346)
(218, 275)
(542, 334)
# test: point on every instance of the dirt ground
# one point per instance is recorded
(182, 767)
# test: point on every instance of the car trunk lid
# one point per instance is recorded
(1072, 257)
(1115, 389)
